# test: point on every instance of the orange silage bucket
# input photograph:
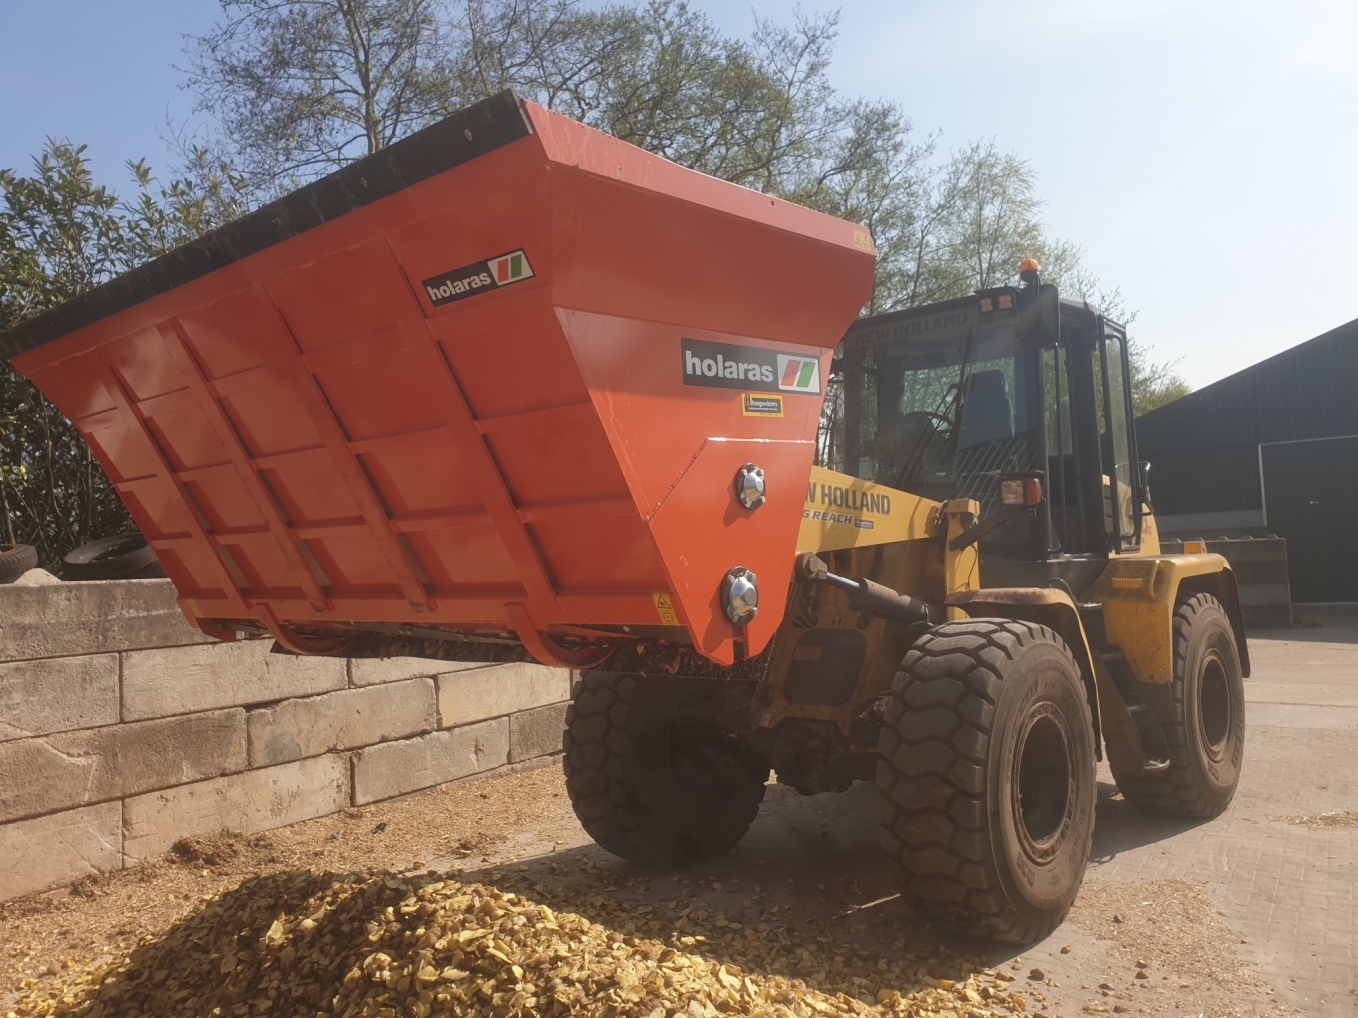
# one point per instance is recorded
(499, 377)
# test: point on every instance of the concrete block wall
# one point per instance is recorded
(123, 730)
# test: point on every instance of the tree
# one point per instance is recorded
(668, 81)
(302, 87)
(60, 235)
(1154, 383)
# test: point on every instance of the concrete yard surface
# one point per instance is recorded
(1252, 913)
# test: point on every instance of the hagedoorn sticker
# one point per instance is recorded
(752, 405)
(479, 277)
(727, 366)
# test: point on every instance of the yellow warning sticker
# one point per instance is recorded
(862, 240)
(664, 607)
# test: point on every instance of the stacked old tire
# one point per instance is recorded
(122, 557)
(15, 560)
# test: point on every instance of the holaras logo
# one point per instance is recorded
(469, 280)
(752, 368)
(510, 268)
(798, 374)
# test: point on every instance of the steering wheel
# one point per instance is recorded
(931, 417)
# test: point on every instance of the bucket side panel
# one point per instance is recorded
(655, 420)
(640, 236)
(630, 253)
(529, 405)
(99, 401)
(681, 446)
(655, 267)
(535, 415)
(703, 532)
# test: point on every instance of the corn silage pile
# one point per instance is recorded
(326, 946)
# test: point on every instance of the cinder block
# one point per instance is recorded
(249, 802)
(59, 849)
(496, 690)
(369, 671)
(90, 618)
(537, 732)
(395, 768)
(57, 694)
(68, 769)
(345, 719)
(158, 683)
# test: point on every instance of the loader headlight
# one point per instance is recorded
(1021, 491)
(740, 595)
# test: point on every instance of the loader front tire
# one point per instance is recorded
(1202, 711)
(652, 775)
(986, 778)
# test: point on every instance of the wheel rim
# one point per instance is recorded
(1042, 788)
(1214, 706)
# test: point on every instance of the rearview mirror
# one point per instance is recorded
(1143, 481)
(1037, 316)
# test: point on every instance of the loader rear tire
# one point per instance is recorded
(986, 778)
(1202, 711)
(652, 777)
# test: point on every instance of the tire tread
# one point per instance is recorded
(599, 761)
(15, 560)
(931, 774)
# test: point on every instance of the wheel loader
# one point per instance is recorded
(513, 390)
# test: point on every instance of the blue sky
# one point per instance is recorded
(1203, 153)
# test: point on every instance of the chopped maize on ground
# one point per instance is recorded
(378, 945)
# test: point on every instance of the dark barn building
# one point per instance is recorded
(1272, 449)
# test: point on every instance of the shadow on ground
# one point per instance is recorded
(1120, 827)
(810, 868)
(1310, 631)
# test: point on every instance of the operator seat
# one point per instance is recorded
(987, 413)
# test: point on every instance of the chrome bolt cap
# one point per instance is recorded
(750, 486)
(740, 595)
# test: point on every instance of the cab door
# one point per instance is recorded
(1117, 438)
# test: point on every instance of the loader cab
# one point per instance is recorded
(948, 400)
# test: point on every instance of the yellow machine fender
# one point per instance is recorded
(1046, 606)
(1139, 594)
